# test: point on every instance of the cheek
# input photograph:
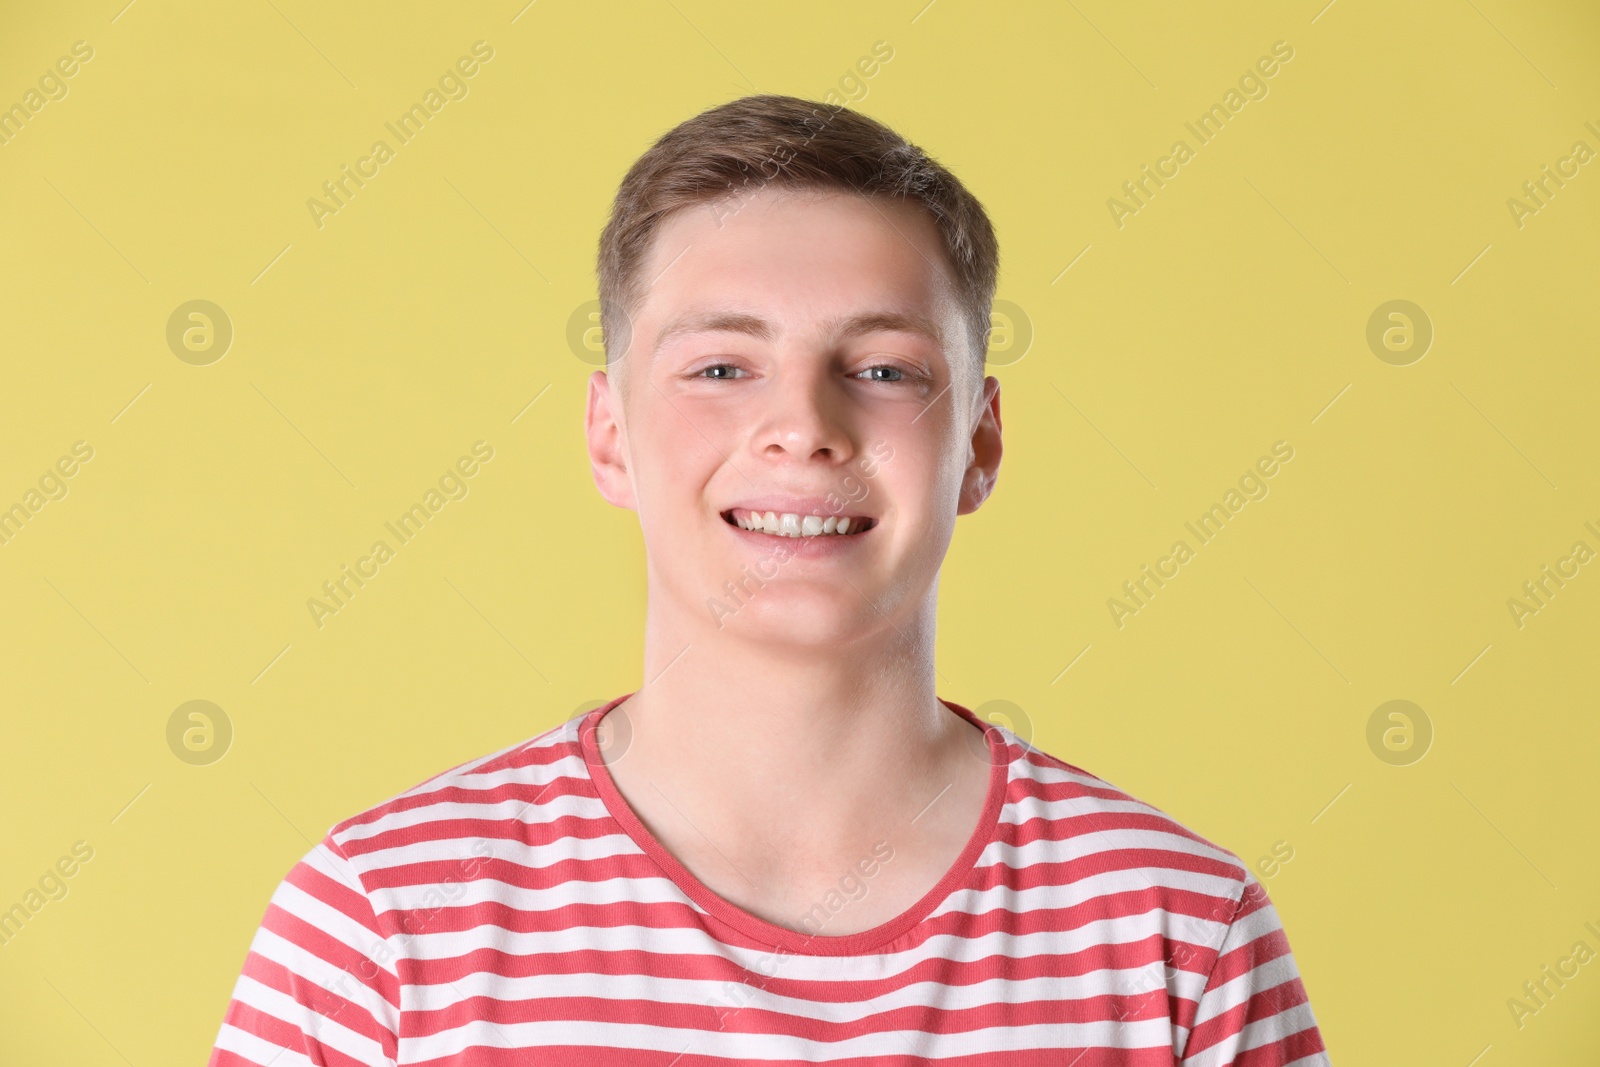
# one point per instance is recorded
(675, 465)
(910, 483)
(680, 438)
(944, 456)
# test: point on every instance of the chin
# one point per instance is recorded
(783, 619)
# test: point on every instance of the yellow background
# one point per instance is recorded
(1229, 313)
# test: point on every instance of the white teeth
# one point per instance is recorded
(789, 524)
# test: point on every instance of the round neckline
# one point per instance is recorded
(771, 934)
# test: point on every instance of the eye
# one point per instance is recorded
(896, 374)
(701, 373)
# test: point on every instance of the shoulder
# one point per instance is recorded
(1064, 813)
(469, 802)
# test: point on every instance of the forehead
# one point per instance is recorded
(799, 259)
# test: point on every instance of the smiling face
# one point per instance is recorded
(797, 352)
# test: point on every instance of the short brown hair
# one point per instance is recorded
(735, 148)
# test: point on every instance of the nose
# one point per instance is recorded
(803, 417)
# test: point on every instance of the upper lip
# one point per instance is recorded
(798, 505)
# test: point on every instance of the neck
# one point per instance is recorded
(816, 747)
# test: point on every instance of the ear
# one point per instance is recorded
(984, 466)
(607, 439)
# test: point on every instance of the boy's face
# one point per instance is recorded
(751, 385)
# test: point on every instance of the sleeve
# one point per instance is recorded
(1254, 1011)
(319, 985)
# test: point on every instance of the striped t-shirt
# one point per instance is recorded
(513, 910)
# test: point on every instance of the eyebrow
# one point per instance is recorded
(840, 329)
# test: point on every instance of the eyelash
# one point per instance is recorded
(906, 375)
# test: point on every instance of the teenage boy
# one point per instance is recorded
(783, 847)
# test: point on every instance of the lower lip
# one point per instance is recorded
(822, 545)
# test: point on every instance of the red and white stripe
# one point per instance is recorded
(514, 905)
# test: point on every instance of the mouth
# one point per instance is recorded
(794, 524)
